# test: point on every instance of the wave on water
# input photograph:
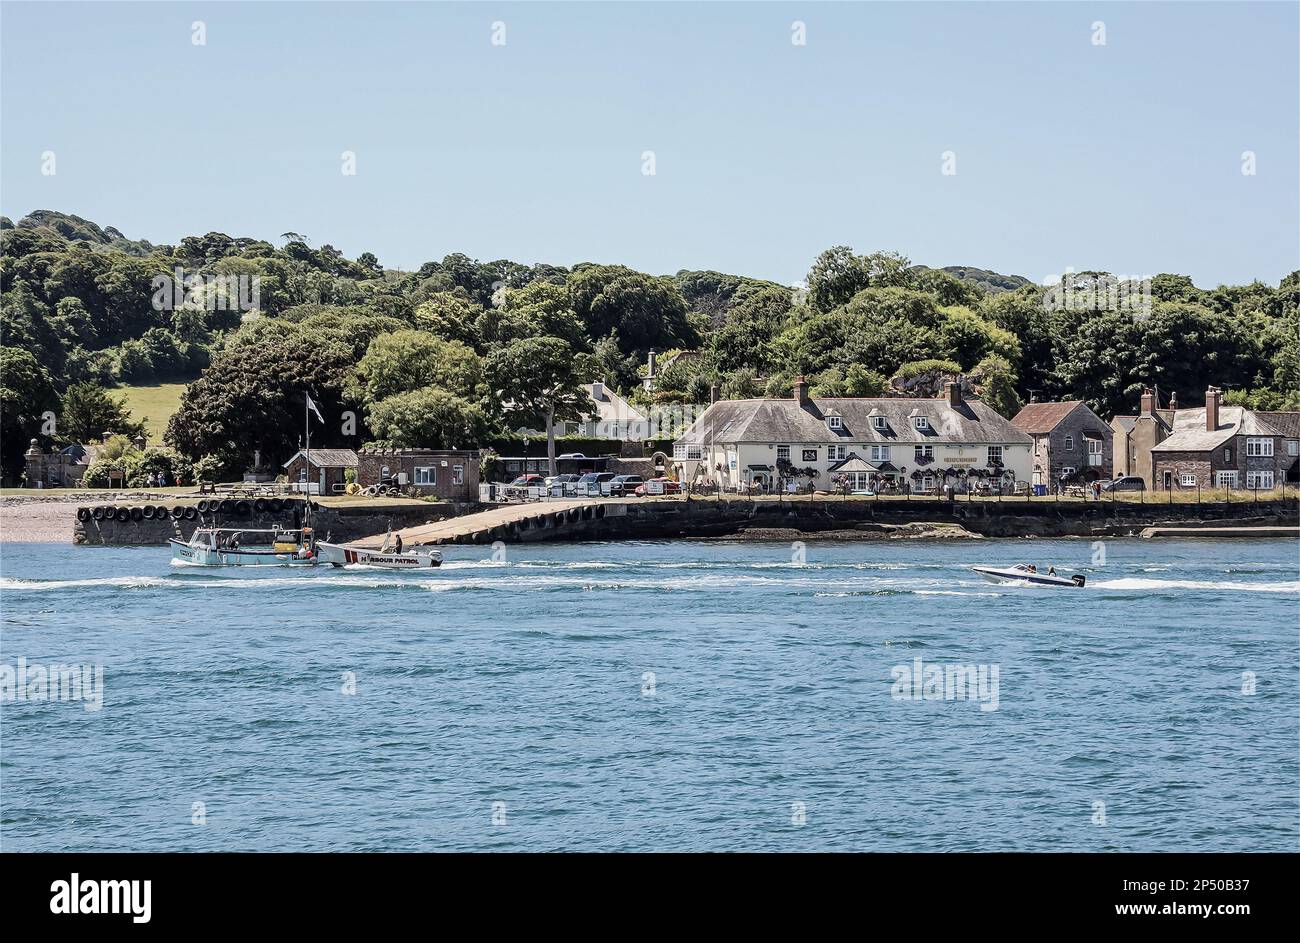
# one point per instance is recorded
(120, 582)
(1138, 582)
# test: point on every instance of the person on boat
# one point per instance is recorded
(1051, 571)
(1033, 568)
(399, 543)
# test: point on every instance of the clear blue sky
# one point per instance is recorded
(1125, 157)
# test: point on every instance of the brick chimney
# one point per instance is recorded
(801, 391)
(1212, 396)
(954, 393)
(1148, 402)
(713, 393)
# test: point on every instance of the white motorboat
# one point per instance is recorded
(232, 546)
(1021, 573)
(410, 558)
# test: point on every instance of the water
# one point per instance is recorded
(519, 689)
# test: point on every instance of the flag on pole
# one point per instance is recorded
(312, 406)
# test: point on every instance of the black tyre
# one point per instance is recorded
(177, 512)
(202, 505)
(243, 508)
(83, 514)
(147, 512)
(136, 514)
(259, 505)
(121, 514)
(275, 505)
(97, 514)
(190, 513)
(227, 507)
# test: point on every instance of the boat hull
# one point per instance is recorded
(344, 555)
(1000, 575)
(207, 556)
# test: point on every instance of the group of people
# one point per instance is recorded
(159, 479)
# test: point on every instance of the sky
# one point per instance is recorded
(1125, 157)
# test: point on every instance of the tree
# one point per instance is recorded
(89, 411)
(835, 277)
(535, 380)
(26, 393)
(644, 311)
(412, 360)
(428, 419)
(997, 385)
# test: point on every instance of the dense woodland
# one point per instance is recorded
(460, 351)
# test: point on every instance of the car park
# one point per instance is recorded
(593, 484)
(621, 486)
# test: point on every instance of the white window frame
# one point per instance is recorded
(995, 449)
(1260, 479)
(835, 453)
(879, 422)
(835, 422)
(1292, 447)
(921, 422)
(1225, 479)
(1187, 480)
(1259, 448)
(458, 474)
(1068, 469)
(430, 475)
(1227, 453)
(923, 451)
(1069, 443)
(783, 452)
(1096, 451)
(880, 453)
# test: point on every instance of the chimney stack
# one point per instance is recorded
(801, 391)
(1212, 396)
(713, 393)
(598, 391)
(953, 390)
(1148, 402)
(1173, 400)
(650, 363)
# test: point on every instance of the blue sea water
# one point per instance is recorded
(672, 695)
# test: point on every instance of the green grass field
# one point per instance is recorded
(157, 402)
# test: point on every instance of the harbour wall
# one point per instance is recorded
(341, 522)
(846, 519)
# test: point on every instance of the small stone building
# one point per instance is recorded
(447, 474)
(1222, 446)
(324, 471)
(1069, 439)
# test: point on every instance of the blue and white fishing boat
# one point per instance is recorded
(231, 546)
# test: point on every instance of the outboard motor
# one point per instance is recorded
(1078, 579)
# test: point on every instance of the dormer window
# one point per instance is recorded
(878, 422)
(835, 422)
(921, 423)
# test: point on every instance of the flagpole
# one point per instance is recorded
(306, 421)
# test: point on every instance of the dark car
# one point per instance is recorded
(527, 481)
(590, 483)
(1125, 483)
(624, 485)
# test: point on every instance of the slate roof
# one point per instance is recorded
(1190, 434)
(784, 420)
(1040, 418)
(1286, 423)
(329, 458)
(612, 408)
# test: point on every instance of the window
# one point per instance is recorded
(924, 452)
(810, 455)
(1187, 480)
(1292, 447)
(783, 453)
(878, 422)
(835, 453)
(688, 451)
(1069, 443)
(835, 422)
(1227, 454)
(426, 475)
(1259, 479)
(921, 422)
(1259, 448)
(1225, 479)
(1067, 470)
(458, 474)
(995, 455)
(880, 453)
(1094, 451)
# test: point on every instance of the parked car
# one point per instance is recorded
(590, 483)
(528, 481)
(561, 485)
(659, 486)
(1125, 483)
(620, 486)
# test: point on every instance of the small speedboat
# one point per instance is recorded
(410, 558)
(1020, 573)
